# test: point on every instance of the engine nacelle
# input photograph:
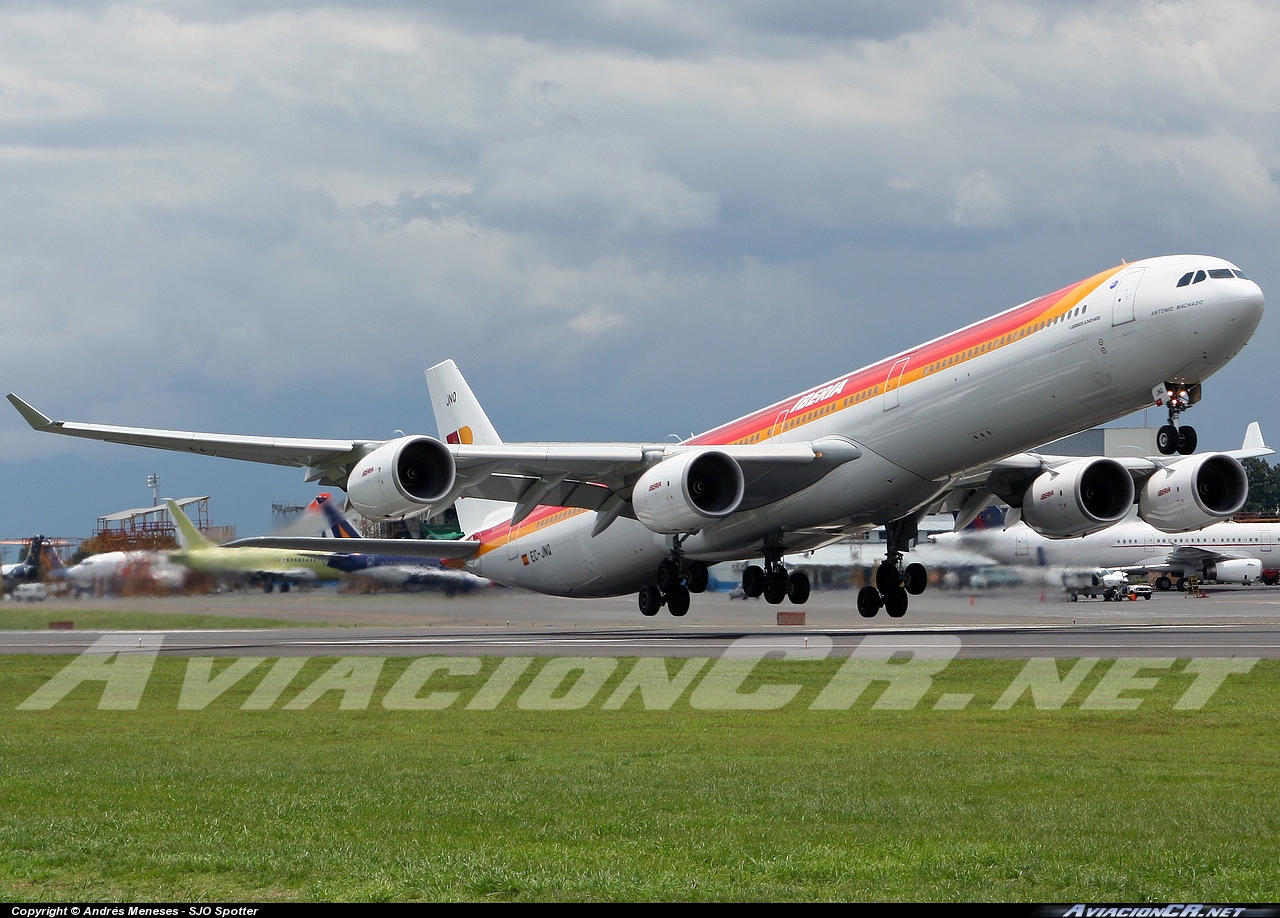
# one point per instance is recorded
(1078, 498)
(401, 477)
(688, 491)
(1238, 570)
(1195, 492)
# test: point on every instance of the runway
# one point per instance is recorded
(1005, 624)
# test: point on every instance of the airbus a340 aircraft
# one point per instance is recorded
(939, 426)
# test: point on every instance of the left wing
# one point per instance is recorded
(592, 476)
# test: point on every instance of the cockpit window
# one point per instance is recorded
(1185, 279)
(1221, 273)
(1198, 278)
(1238, 273)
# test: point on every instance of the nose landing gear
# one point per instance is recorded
(1172, 438)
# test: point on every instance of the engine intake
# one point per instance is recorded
(402, 477)
(1078, 498)
(1235, 570)
(1194, 492)
(688, 491)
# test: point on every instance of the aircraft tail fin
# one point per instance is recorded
(339, 526)
(55, 567)
(461, 420)
(189, 537)
(991, 517)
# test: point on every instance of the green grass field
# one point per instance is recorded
(160, 804)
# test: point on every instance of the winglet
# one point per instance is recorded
(1254, 446)
(33, 417)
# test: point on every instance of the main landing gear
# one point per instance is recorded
(894, 583)
(675, 580)
(774, 583)
(1172, 438)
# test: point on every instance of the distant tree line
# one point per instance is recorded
(1264, 488)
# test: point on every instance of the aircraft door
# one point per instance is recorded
(892, 382)
(1126, 289)
(1264, 539)
(1020, 544)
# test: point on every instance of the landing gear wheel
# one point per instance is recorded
(284, 587)
(1186, 440)
(868, 602)
(887, 576)
(668, 575)
(753, 581)
(798, 588)
(1164, 584)
(917, 578)
(895, 602)
(696, 577)
(268, 587)
(650, 600)
(1167, 440)
(678, 600)
(1181, 585)
(775, 587)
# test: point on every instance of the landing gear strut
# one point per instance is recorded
(773, 582)
(894, 583)
(675, 579)
(1172, 438)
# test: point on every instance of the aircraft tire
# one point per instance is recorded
(1181, 585)
(869, 602)
(895, 602)
(753, 581)
(678, 600)
(668, 575)
(697, 578)
(798, 588)
(775, 587)
(887, 577)
(1164, 584)
(1187, 440)
(1167, 440)
(650, 600)
(917, 579)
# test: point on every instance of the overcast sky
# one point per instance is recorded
(622, 219)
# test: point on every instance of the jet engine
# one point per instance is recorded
(1079, 498)
(1243, 570)
(688, 491)
(1194, 492)
(401, 477)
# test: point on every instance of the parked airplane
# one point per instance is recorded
(393, 570)
(939, 426)
(42, 560)
(108, 571)
(1222, 552)
(270, 567)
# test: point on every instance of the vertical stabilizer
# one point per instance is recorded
(189, 537)
(461, 420)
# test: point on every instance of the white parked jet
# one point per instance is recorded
(1223, 552)
(938, 426)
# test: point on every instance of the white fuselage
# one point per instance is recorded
(1129, 544)
(1062, 363)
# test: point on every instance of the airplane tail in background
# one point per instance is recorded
(990, 518)
(340, 527)
(189, 537)
(54, 566)
(461, 420)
